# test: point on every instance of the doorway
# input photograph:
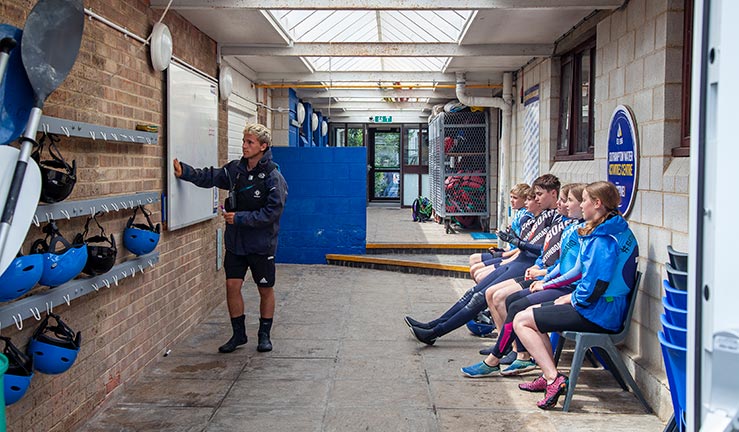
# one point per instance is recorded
(383, 148)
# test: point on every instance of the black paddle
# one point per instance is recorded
(51, 41)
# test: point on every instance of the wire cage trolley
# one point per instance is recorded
(459, 167)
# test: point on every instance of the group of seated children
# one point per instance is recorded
(571, 266)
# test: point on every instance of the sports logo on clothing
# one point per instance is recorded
(257, 194)
(264, 280)
(261, 175)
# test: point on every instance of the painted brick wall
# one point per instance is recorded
(326, 209)
(124, 327)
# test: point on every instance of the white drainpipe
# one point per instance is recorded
(504, 104)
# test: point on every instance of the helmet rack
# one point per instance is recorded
(70, 209)
(71, 128)
(17, 311)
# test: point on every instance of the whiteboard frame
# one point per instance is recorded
(192, 137)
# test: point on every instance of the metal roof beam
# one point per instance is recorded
(389, 49)
(388, 4)
(371, 77)
(380, 106)
(344, 93)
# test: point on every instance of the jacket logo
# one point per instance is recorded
(251, 177)
(257, 194)
(261, 175)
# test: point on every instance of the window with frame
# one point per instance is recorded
(575, 137)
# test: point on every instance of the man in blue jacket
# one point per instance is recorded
(256, 197)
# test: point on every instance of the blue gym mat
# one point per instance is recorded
(483, 236)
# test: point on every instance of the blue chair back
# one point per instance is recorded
(678, 279)
(675, 297)
(674, 334)
(675, 316)
(675, 359)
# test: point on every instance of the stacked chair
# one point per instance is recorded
(673, 337)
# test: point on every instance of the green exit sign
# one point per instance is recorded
(382, 119)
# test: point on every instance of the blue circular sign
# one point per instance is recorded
(623, 156)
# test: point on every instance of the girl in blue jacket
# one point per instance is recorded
(608, 253)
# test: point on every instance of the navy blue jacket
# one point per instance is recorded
(254, 231)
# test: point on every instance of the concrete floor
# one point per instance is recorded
(345, 361)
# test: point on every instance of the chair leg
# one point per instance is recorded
(591, 358)
(608, 363)
(580, 348)
(621, 367)
(560, 346)
(671, 425)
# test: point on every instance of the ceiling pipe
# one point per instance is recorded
(502, 103)
(374, 86)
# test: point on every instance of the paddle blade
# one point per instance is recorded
(51, 41)
(16, 95)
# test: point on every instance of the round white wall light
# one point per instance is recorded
(324, 128)
(301, 113)
(225, 82)
(161, 47)
(314, 122)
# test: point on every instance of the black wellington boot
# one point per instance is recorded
(265, 325)
(239, 335)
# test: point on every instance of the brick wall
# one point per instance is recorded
(127, 326)
(638, 64)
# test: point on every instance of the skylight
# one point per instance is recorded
(401, 26)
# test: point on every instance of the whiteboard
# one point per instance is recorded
(192, 137)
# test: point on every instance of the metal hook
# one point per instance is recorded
(46, 128)
(95, 286)
(114, 206)
(35, 221)
(114, 136)
(141, 268)
(49, 216)
(92, 134)
(105, 208)
(18, 324)
(148, 140)
(115, 279)
(107, 284)
(67, 298)
(49, 307)
(36, 314)
(124, 205)
(133, 271)
(130, 203)
(65, 130)
(104, 135)
(149, 200)
(124, 274)
(151, 264)
(65, 213)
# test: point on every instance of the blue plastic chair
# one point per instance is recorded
(679, 260)
(674, 334)
(675, 359)
(675, 316)
(677, 278)
(677, 298)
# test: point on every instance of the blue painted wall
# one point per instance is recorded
(326, 209)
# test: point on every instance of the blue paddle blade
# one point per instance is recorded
(16, 93)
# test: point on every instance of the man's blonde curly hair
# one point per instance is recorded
(263, 134)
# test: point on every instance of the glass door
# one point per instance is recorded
(415, 168)
(384, 164)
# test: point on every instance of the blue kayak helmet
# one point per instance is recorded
(22, 274)
(54, 348)
(141, 238)
(18, 376)
(482, 325)
(57, 176)
(63, 265)
(100, 257)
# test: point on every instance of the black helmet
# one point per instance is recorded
(57, 176)
(63, 265)
(100, 258)
(141, 238)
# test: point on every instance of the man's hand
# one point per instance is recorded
(177, 168)
(229, 217)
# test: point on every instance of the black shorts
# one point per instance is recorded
(550, 318)
(262, 268)
(527, 283)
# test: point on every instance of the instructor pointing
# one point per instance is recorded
(256, 197)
